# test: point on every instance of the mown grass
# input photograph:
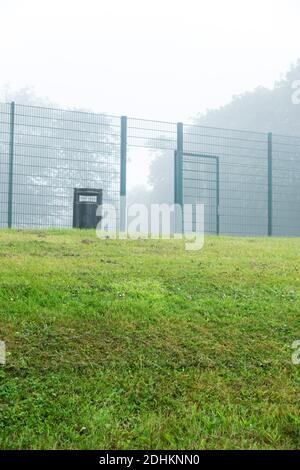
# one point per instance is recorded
(122, 344)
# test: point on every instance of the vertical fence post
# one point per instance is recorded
(270, 184)
(11, 165)
(218, 194)
(178, 183)
(123, 173)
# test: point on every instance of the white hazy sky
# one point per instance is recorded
(163, 59)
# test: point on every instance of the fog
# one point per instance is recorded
(166, 60)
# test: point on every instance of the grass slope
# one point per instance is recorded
(122, 344)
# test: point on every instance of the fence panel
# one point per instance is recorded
(286, 186)
(156, 135)
(56, 151)
(243, 178)
(249, 182)
(4, 162)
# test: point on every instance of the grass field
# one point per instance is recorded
(122, 344)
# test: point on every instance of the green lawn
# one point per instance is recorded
(122, 344)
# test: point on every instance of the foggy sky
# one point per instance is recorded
(163, 59)
(157, 59)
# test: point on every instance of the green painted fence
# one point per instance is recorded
(249, 182)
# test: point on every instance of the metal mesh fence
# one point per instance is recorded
(54, 152)
(227, 170)
(286, 186)
(248, 181)
(157, 135)
(4, 162)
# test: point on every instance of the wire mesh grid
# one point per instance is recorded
(56, 151)
(4, 162)
(286, 186)
(227, 171)
(248, 187)
(157, 135)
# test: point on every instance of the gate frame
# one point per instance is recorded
(178, 179)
